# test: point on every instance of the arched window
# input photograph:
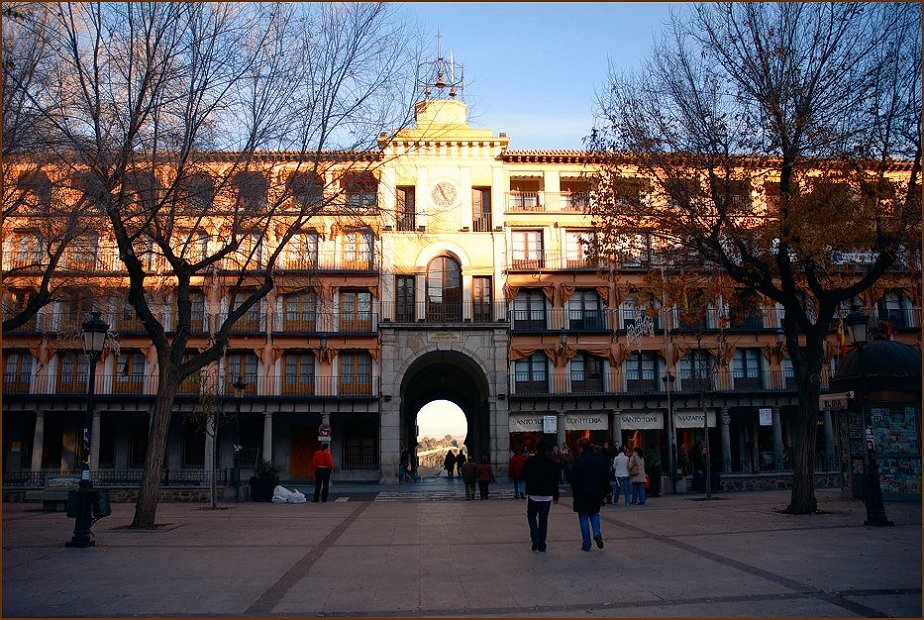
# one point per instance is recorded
(444, 290)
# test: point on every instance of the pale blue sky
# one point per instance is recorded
(532, 69)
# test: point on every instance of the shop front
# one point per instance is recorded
(587, 426)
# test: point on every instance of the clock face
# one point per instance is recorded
(444, 194)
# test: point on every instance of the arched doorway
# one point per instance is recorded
(441, 426)
(447, 376)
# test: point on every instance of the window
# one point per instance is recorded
(529, 311)
(586, 373)
(197, 193)
(299, 311)
(789, 373)
(357, 250)
(692, 311)
(355, 311)
(355, 374)
(405, 210)
(249, 253)
(244, 366)
(746, 370)
(249, 322)
(482, 296)
(578, 249)
(190, 245)
(81, 254)
(404, 299)
(525, 195)
(34, 192)
(630, 191)
(360, 443)
(360, 190)
(73, 369)
(641, 373)
(585, 312)
(633, 250)
(17, 372)
(634, 312)
(481, 209)
(74, 311)
(28, 250)
(301, 252)
(15, 302)
(129, 373)
(444, 290)
(695, 370)
(527, 249)
(298, 379)
(739, 195)
(745, 310)
(530, 374)
(895, 312)
(307, 191)
(573, 195)
(251, 192)
(197, 313)
(126, 319)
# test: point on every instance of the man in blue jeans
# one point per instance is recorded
(540, 473)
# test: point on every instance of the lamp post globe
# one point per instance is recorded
(94, 339)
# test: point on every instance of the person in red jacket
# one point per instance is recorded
(517, 461)
(323, 465)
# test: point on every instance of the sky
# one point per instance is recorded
(440, 418)
(532, 70)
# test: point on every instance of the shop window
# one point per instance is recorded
(360, 444)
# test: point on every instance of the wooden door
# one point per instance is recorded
(303, 446)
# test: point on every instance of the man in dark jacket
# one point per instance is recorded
(588, 478)
(540, 473)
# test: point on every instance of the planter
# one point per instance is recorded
(261, 489)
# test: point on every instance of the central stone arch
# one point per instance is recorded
(452, 376)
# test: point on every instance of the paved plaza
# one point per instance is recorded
(421, 550)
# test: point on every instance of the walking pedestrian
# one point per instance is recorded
(323, 466)
(567, 460)
(460, 461)
(621, 468)
(485, 475)
(540, 473)
(514, 470)
(637, 477)
(406, 469)
(588, 477)
(469, 474)
(449, 463)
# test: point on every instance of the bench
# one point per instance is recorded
(54, 495)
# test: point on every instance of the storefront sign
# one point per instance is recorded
(692, 419)
(637, 421)
(834, 402)
(550, 424)
(586, 421)
(525, 424)
(766, 416)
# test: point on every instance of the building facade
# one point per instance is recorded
(467, 279)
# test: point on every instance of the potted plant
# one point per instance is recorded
(264, 480)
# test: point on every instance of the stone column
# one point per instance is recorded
(616, 425)
(777, 440)
(561, 429)
(94, 441)
(38, 441)
(830, 460)
(726, 441)
(391, 440)
(268, 436)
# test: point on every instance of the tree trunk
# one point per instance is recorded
(149, 493)
(805, 430)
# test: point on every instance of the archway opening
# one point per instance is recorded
(441, 427)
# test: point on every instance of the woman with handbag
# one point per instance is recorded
(637, 477)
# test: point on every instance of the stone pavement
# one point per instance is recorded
(421, 550)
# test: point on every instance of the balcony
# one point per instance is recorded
(544, 202)
(16, 384)
(26, 261)
(901, 318)
(555, 319)
(535, 260)
(423, 312)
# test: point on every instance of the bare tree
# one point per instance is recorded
(811, 108)
(169, 107)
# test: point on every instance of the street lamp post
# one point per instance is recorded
(668, 379)
(857, 322)
(94, 337)
(240, 387)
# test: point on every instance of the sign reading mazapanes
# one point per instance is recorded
(836, 401)
(692, 419)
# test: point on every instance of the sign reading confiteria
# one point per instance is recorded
(586, 421)
(692, 419)
(642, 420)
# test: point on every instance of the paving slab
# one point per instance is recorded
(422, 550)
